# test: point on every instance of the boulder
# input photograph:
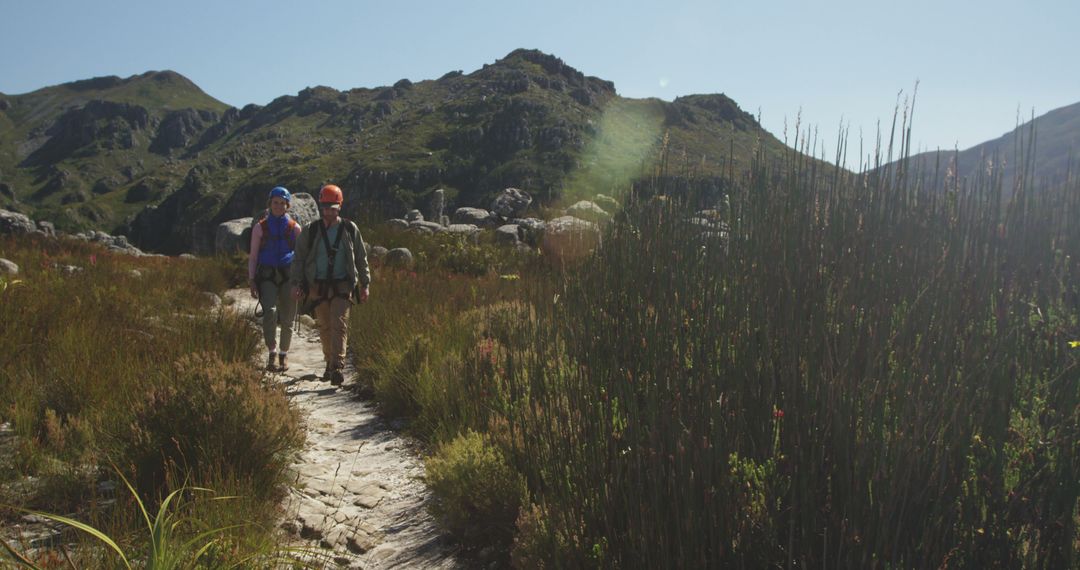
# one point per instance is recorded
(507, 234)
(229, 237)
(120, 244)
(476, 216)
(398, 257)
(304, 208)
(47, 228)
(397, 224)
(12, 223)
(469, 231)
(531, 230)
(115, 244)
(67, 269)
(568, 238)
(606, 202)
(414, 216)
(588, 211)
(376, 252)
(511, 203)
(426, 227)
(211, 299)
(8, 267)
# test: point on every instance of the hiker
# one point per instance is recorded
(273, 244)
(331, 269)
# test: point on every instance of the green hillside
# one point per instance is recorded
(154, 157)
(1054, 154)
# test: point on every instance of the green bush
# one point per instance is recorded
(212, 417)
(478, 494)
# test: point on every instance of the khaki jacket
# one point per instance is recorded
(302, 274)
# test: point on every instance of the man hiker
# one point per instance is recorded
(273, 243)
(331, 269)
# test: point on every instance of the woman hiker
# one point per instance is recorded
(332, 270)
(273, 244)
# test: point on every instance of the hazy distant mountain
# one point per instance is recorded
(155, 157)
(1056, 149)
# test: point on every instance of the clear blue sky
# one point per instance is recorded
(978, 63)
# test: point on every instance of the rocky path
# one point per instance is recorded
(359, 490)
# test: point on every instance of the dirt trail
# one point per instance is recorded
(359, 488)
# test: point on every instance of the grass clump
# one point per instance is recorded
(412, 346)
(98, 368)
(479, 494)
(207, 415)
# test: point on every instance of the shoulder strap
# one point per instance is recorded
(312, 231)
(265, 225)
(337, 238)
(331, 252)
(290, 231)
(316, 228)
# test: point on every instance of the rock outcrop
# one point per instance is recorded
(568, 238)
(511, 203)
(476, 216)
(588, 211)
(14, 223)
(229, 237)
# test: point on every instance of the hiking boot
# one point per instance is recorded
(283, 362)
(271, 364)
(326, 374)
(336, 378)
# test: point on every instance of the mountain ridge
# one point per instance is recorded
(1056, 135)
(155, 157)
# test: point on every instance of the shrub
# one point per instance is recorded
(478, 494)
(209, 416)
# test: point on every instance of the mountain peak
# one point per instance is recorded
(550, 64)
(531, 65)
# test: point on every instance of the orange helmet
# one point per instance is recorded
(330, 194)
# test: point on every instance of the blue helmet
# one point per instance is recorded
(281, 192)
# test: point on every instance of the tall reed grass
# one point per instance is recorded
(868, 371)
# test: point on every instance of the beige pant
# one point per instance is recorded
(333, 320)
